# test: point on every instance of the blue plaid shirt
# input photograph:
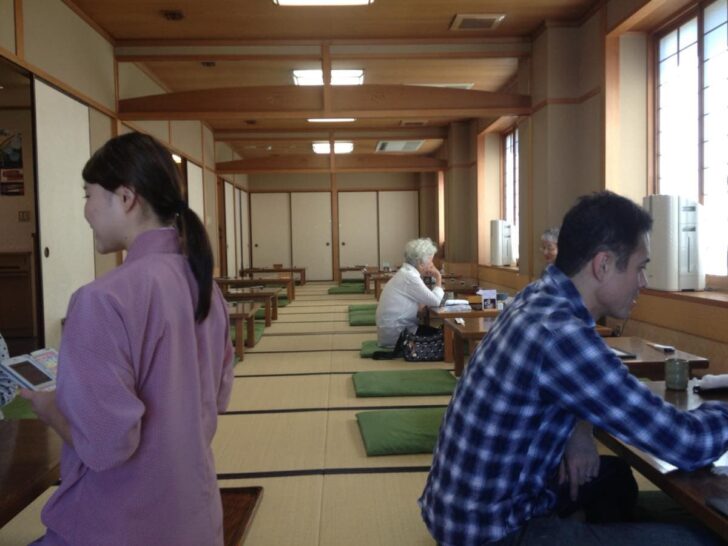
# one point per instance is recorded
(540, 369)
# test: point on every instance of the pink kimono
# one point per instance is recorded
(141, 384)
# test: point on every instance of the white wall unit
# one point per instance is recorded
(398, 223)
(271, 229)
(358, 228)
(66, 241)
(311, 234)
(675, 246)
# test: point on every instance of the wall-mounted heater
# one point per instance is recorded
(501, 251)
(675, 243)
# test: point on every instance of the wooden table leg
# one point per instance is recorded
(274, 300)
(448, 341)
(250, 339)
(269, 310)
(458, 354)
(303, 277)
(239, 338)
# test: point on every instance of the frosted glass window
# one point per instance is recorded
(510, 186)
(692, 122)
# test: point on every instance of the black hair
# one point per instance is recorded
(142, 164)
(598, 222)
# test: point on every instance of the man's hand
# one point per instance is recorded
(44, 405)
(581, 460)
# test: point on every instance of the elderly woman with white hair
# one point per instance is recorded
(406, 292)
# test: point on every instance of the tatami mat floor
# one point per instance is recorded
(291, 428)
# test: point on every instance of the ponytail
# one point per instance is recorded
(196, 246)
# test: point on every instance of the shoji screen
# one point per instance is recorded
(66, 240)
(230, 243)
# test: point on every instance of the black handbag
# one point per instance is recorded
(426, 345)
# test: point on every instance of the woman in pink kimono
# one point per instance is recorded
(145, 367)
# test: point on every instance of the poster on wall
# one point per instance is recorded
(11, 163)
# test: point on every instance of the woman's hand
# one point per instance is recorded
(44, 405)
(435, 273)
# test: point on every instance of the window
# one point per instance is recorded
(510, 186)
(692, 121)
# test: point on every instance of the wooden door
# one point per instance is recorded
(399, 220)
(358, 228)
(271, 233)
(311, 234)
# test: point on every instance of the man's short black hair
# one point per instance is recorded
(598, 222)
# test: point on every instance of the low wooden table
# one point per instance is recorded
(648, 361)
(227, 283)
(267, 296)
(690, 489)
(238, 507)
(251, 271)
(30, 457)
(379, 280)
(448, 312)
(471, 331)
(464, 285)
(243, 313)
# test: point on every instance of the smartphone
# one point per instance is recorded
(28, 373)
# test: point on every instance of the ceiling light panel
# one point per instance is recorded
(338, 77)
(340, 147)
(331, 120)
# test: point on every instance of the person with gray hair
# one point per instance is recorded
(549, 244)
(406, 292)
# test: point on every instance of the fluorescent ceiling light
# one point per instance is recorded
(331, 120)
(338, 77)
(323, 2)
(340, 147)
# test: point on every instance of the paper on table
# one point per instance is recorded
(457, 302)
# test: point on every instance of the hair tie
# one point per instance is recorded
(181, 206)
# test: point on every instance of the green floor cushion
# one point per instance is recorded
(400, 432)
(359, 307)
(19, 408)
(352, 281)
(283, 300)
(347, 289)
(259, 327)
(404, 383)
(369, 347)
(362, 319)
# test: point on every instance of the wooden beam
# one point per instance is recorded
(306, 135)
(290, 102)
(341, 163)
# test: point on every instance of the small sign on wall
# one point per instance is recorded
(11, 163)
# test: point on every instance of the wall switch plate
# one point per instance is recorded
(23, 216)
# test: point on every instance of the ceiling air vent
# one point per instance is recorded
(476, 21)
(399, 145)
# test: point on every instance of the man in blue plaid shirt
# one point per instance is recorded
(515, 448)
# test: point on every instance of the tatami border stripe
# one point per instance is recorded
(322, 472)
(335, 408)
(294, 374)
